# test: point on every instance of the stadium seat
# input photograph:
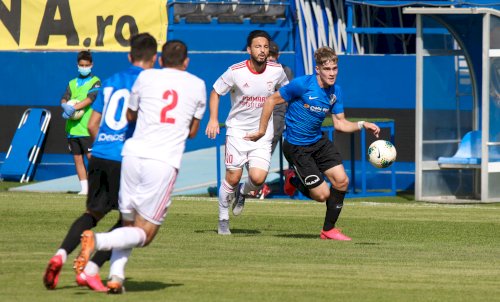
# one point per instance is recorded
(468, 154)
(248, 8)
(271, 11)
(190, 11)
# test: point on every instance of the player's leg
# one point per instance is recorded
(331, 164)
(307, 177)
(234, 161)
(151, 200)
(104, 184)
(86, 147)
(259, 161)
(77, 150)
(86, 221)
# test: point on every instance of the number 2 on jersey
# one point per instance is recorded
(166, 95)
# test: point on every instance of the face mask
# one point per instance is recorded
(84, 71)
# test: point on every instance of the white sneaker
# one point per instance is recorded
(82, 193)
(224, 227)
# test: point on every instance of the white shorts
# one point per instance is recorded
(239, 152)
(145, 188)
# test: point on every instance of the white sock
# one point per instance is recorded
(119, 259)
(226, 193)
(91, 269)
(120, 238)
(85, 186)
(63, 253)
(249, 186)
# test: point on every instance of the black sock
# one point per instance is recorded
(334, 205)
(72, 240)
(295, 181)
(100, 257)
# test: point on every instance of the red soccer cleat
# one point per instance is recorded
(264, 191)
(288, 188)
(334, 234)
(52, 272)
(91, 281)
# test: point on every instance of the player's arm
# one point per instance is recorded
(66, 96)
(267, 110)
(131, 115)
(341, 124)
(213, 123)
(91, 96)
(193, 128)
(93, 125)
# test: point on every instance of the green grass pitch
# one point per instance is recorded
(401, 251)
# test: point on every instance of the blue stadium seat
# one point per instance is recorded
(468, 154)
(21, 158)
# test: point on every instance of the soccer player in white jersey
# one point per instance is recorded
(168, 105)
(250, 83)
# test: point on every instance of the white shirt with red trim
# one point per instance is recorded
(166, 101)
(249, 91)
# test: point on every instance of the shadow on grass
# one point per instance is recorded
(233, 231)
(143, 286)
(136, 286)
(300, 236)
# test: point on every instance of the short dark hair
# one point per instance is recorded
(274, 49)
(173, 53)
(143, 47)
(84, 55)
(257, 34)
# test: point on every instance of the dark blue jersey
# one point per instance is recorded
(308, 105)
(112, 103)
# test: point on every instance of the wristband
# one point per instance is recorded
(361, 124)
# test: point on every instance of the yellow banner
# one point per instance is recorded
(75, 24)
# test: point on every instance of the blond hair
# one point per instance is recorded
(325, 54)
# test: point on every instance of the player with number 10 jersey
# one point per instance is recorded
(112, 103)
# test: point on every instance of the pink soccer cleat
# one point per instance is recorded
(81, 279)
(51, 276)
(91, 281)
(334, 234)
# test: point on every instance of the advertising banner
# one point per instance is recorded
(75, 25)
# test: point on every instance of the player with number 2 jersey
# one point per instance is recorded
(108, 127)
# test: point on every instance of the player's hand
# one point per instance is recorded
(65, 116)
(254, 136)
(374, 128)
(212, 129)
(68, 109)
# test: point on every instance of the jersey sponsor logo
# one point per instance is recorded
(253, 101)
(313, 97)
(316, 108)
(103, 137)
(311, 180)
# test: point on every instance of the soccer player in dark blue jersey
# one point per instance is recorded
(109, 129)
(310, 99)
